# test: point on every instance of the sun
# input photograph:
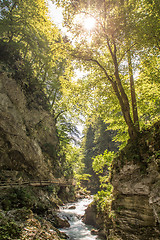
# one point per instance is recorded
(85, 24)
(89, 23)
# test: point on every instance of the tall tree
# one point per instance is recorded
(96, 140)
(26, 29)
(26, 26)
(112, 47)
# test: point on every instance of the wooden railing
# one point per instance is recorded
(59, 182)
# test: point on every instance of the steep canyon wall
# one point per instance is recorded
(28, 139)
(136, 182)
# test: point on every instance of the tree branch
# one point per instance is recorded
(128, 50)
(86, 58)
(59, 115)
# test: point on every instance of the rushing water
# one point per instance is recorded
(77, 230)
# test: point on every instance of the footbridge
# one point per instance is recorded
(41, 183)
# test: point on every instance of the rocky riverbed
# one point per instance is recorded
(74, 213)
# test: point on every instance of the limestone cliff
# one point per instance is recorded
(136, 182)
(135, 209)
(28, 139)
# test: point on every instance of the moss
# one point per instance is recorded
(40, 208)
(15, 66)
(22, 214)
(6, 204)
(66, 193)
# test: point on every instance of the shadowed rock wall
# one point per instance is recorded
(28, 139)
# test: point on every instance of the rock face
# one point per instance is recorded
(136, 182)
(28, 139)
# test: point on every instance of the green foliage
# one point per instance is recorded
(34, 53)
(148, 25)
(102, 165)
(149, 100)
(80, 178)
(97, 139)
(124, 28)
(67, 130)
(101, 160)
(18, 198)
(103, 200)
(9, 230)
(73, 165)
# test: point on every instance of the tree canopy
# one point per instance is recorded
(114, 53)
(25, 28)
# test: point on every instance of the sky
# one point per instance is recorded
(55, 14)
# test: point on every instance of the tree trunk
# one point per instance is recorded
(125, 111)
(133, 94)
(121, 95)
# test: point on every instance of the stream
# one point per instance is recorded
(77, 230)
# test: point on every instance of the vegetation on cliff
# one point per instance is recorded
(34, 126)
(124, 93)
(34, 54)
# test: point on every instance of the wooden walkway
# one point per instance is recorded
(58, 182)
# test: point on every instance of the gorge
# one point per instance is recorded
(48, 170)
(135, 173)
(133, 212)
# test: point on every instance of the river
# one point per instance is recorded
(77, 230)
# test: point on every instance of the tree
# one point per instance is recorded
(97, 139)
(25, 28)
(112, 48)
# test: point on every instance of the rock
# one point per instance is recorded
(94, 232)
(89, 217)
(136, 183)
(25, 135)
(72, 207)
(27, 227)
(60, 223)
(135, 178)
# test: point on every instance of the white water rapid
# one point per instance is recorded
(77, 230)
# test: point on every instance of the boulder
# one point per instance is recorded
(89, 217)
(72, 207)
(60, 223)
